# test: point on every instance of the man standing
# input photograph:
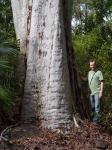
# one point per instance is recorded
(96, 85)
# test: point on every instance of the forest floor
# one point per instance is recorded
(89, 136)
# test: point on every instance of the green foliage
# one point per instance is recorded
(7, 32)
(93, 39)
(107, 113)
(6, 101)
(8, 60)
(8, 77)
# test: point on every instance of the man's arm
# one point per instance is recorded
(101, 88)
(82, 77)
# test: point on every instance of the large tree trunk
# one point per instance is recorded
(50, 81)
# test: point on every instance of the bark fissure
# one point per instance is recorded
(75, 87)
(80, 103)
(28, 25)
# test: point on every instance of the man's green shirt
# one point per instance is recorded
(94, 79)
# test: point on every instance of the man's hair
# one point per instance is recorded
(93, 60)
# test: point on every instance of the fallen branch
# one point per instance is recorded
(76, 120)
(2, 137)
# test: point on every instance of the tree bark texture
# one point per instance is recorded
(50, 93)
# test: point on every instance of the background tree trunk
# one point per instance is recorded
(51, 86)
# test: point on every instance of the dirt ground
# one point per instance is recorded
(30, 137)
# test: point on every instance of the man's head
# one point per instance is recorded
(92, 64)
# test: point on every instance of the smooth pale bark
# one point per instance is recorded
(48, 94)
(20, 16)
